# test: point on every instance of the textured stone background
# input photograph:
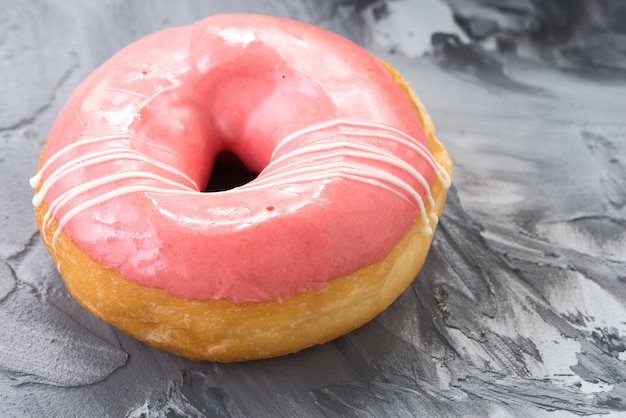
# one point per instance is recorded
(521, 308)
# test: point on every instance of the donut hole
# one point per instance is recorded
(228, 172)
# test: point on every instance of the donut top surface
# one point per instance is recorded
(344, 166)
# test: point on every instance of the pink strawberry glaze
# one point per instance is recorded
(241, 83)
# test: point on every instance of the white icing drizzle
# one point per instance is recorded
(369, 129)
(355, 170)
(94, 158)
(98, 158)
(321, 151)
(35, 181)
(309, 162)
(100, 199)
(76, 191)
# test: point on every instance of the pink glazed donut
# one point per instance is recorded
(350, 181)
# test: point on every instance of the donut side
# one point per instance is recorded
(224, 331)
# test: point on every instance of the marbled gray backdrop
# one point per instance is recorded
(520, 309)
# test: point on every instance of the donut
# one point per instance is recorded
(348, 183)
